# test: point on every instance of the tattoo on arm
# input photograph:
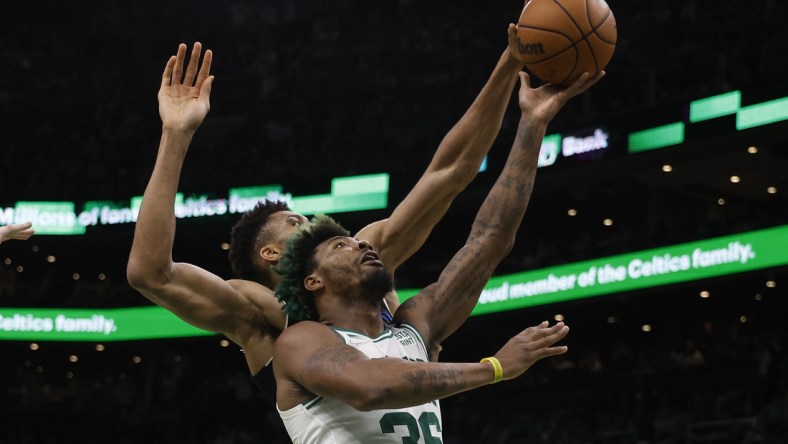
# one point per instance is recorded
(441, 381)
(331, 359)
(416, 379)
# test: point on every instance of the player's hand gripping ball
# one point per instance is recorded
(561, 39)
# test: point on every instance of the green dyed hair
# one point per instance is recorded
(297, 262)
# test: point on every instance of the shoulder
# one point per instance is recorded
(262, 301)
(250, 287)
(306, 333)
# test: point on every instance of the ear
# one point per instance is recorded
(270, 253)
(313, 282)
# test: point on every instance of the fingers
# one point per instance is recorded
(525, 80)
(16, 231)
(22, 235)
(166, 77)
(194, 60)
(177, 73)
(541, 337)
(205, 69)
(205, 92)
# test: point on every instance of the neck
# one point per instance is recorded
(363, 318)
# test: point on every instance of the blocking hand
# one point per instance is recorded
(183, 100)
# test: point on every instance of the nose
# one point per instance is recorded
(364, 245)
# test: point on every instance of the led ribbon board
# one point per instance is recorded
(633, 271)
(700, 110)
(353, 193)
(49, 324)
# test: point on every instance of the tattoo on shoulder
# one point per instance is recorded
(331, 359)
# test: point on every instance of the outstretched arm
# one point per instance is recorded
(452, 168)
(311, 356)
(16, 231)
(442, 307)
(193, 294)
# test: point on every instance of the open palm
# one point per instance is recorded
(184, 99)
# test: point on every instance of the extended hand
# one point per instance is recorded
(16, 231)
(529, 346)
(184, 102)
(543, 103)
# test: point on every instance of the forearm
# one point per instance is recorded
(388, 383)
(492, 235)
(154, 234)
(466, 144)
(502, 211)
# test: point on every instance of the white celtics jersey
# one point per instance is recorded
(331, 421)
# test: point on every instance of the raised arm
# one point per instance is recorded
(442, 307)
(454, 165)
(193, 294)
(311, 356)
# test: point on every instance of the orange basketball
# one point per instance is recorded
(562, 39)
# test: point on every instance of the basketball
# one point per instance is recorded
(561, 39)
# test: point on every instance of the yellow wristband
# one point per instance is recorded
(496, 368)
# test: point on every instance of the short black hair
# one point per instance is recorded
(297, 262)
(248, 236)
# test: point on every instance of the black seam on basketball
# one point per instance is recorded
(570, 16)
(591, 49)
(609, 14)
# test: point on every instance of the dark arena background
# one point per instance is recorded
(685, 155)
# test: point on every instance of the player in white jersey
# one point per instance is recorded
(333, 282)
(330, 420)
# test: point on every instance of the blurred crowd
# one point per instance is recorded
(320, 89)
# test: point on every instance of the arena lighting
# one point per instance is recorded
(33, 346)
(571, 212)
(99, 347)
(51, 259)
(224, 343)
(646, 328)
(735, 179)
(771, 283)
(720, 201)
(611, 319)
(771, 190)
(224, 246)
(102, 276)
(73, 358)
(7, 261)
(75, 276)
(69, 375)
(752, 149)
(136, 359)
(758, 297)
(743, 319)
(20, 269)
(34, 248)
(558, 317)
(667, 168)
(607, 222)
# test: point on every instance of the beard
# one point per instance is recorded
(377, 284)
